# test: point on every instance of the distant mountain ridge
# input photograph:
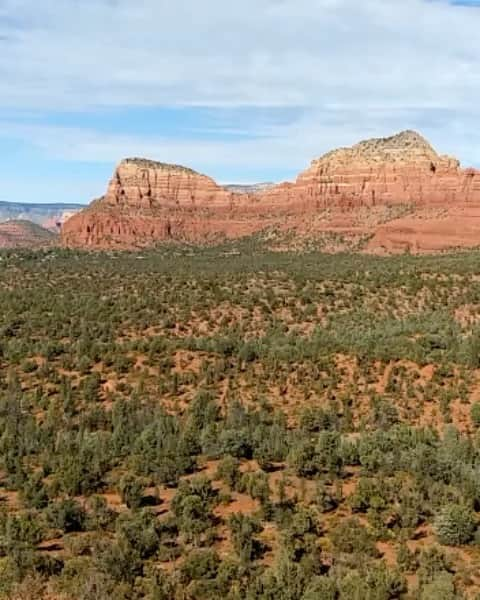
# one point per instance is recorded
(46, 215)
(254, 188)
(25, 234)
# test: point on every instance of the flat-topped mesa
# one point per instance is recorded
(147, 184)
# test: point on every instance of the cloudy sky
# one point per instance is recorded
(244, 91)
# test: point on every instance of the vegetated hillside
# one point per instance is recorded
(25, 234)
(46, 215)
(233, 423)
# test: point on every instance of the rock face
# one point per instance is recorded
(25, 234)
(400, 169)
(362, 191)
(148, 202)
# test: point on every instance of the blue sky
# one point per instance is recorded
(244, 92)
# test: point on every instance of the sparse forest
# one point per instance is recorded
(229, 422)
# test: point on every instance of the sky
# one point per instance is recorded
(244, 91)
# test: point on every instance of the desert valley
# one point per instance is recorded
(247, 392)
(239, 300)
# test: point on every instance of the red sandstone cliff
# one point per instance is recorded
(357, 191)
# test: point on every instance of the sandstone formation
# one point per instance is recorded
(366, 191)
(397, 170)
(25, 234)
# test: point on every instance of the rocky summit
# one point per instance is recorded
(392, 194)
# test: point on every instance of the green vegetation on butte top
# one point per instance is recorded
(147, 163)
(240, 424)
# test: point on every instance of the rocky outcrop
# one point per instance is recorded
(402, 169)
(147, 202)
(355, 189)
(428, 231)
(145, 185)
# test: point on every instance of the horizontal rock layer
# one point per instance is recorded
(351, 189)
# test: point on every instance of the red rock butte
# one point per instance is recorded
(395, 194)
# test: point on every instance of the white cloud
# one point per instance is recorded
(357, 67)
(288, 147)
(84, 53)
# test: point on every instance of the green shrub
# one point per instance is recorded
(67, 515)
(200, 564)
(131, 490)
(350, 536)
(455, 525)
(475, 414)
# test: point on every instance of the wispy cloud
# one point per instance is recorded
(73, 54)
(268, 84)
